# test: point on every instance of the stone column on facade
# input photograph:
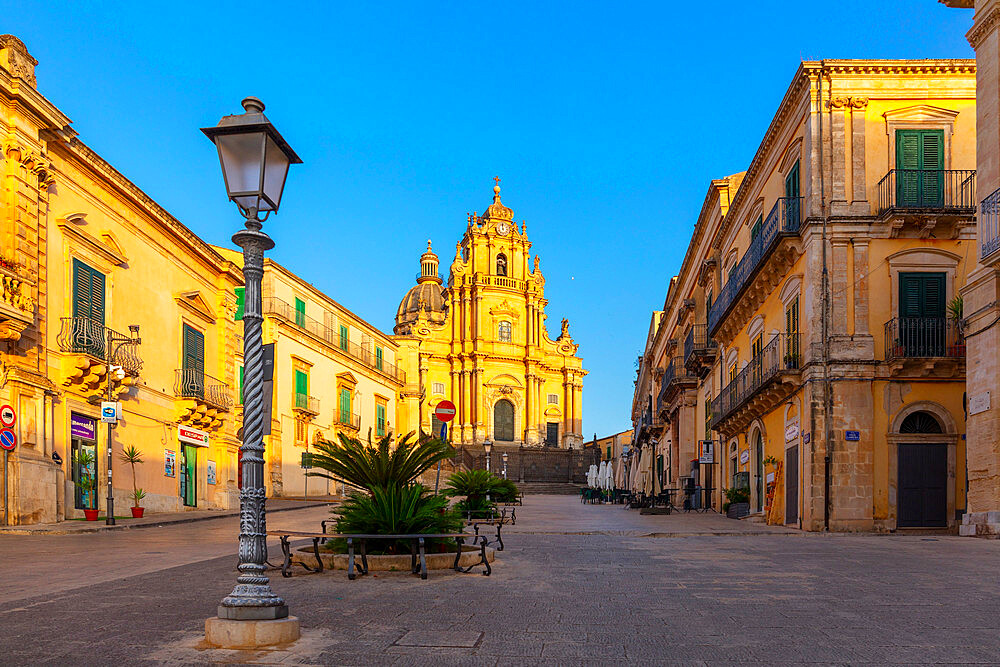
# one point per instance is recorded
(838, 156)
(859, 195)
(838, 287)
(860, 277)
(466, 405)
(578, 409)
(529, 406)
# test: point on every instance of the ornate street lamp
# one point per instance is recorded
(115, 343)
(488, 446)
(505, 465)
(255, 161)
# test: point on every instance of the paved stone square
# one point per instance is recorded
(577, 584)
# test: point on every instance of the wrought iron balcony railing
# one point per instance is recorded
(275, 306)
(83, 335)
(783, 220)
(989, 225)
(346, 420)
(780, 354)
(922, 338)
(697, 339)
(305, 403)
(928, 190)
(193, 383)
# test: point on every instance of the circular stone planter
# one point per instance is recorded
(393, 563)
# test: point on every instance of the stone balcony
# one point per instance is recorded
(204, 400)
(17, 307)
(85, 365)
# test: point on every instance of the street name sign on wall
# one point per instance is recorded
(852, 436)
(744, 456)
(445, 411)
(979, 403)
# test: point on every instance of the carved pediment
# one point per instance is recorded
(194, 303)
(504, 309)
(107, 247)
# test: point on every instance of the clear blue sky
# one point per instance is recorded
(605, 121)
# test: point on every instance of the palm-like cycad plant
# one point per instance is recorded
(379, 466)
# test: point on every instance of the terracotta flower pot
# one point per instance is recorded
(137, 512)
(91, 514)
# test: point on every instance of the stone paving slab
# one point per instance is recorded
(554, 599)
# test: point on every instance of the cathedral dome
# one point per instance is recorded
(426, 298)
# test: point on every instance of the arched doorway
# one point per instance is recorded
(758, 456)
(503, 421)
(922, 473)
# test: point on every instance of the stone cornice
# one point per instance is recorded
(982, 26)
(167, 222)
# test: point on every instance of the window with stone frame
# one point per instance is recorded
(438, 388)
(505, 332)
(553, 399)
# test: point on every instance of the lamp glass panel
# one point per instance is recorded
(275, 171)
(241, 156)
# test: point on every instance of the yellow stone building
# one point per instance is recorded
(810, 343)
(84, 253)
(333, 373)
(481, 342)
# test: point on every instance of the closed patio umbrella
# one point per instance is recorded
(601, 472)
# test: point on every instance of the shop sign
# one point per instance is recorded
(706, 453)
(979, 403)
(210, 472)
(791, 430)
(192, 436)
(852, 436)
(169, 463)
(744, 456)
(770, 478)
(82, 427)
(806, 437)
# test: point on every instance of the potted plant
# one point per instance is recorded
(771, 461)
(791, 361)
(86, 479)
(956, 308)
(132, 456)
(738, 504)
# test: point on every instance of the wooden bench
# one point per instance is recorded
(417, 549)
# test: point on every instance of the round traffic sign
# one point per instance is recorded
(445, 411)
(7, 416)
(7, 439)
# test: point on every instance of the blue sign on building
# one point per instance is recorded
(852, 436)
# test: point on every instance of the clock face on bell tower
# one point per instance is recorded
(502, 229)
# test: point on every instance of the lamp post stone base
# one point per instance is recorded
(234, 634)
(253, 613)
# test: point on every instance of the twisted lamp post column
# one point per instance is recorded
(255, 159)
(252, 597)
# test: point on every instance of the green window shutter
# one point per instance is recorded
(792, 181)
(88, 292)
(378, 358)
(194, 350)
(757, 226)
(907, 149)
(921, 295)
(344, 337)
(301, 382)
(241, 385)
(932, 162)
(241, 295)
(380, 419)
(345, 406)
(300, 312)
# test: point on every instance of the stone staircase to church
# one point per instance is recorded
(548, 488)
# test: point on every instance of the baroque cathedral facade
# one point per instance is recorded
(480, 341)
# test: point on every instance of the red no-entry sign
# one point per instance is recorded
(445, 411)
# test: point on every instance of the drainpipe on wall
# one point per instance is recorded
(825, 318)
